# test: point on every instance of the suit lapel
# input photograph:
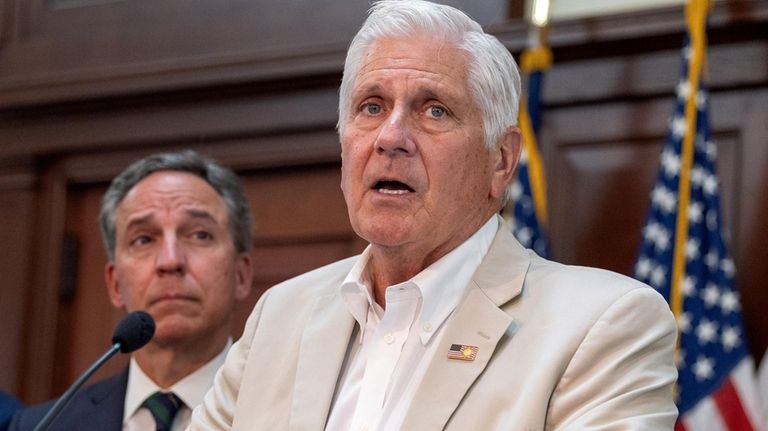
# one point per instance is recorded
(108, 401)
(323, 348)
(98, 407)
(478, 321)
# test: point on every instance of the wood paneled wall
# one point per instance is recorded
(87, 86)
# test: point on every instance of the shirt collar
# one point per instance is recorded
(356, 292)
(441, 284)
(191, 389)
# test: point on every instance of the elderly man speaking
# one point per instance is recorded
(444, 321)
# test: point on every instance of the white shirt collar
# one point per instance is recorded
(441, 284)
(356, 291)
(191, 389)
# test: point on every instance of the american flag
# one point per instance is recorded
(716, 388)
(462, 352)
(529, 211)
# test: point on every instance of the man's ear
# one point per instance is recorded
(506, 156)
(113, 287)
(244, 269)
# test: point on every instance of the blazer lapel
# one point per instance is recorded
(323, 348)
(110, 402)
(478, 321)
(101, 406)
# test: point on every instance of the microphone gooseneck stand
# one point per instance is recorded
(67, 396)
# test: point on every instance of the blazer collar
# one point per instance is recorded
(502, 272)
(116, 384)
(478, 321)
(103, 408)
(321, 356)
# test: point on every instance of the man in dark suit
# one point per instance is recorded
(177, 231)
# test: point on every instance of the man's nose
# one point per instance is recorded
(171, 259)
(395, 136)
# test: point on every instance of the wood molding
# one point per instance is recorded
(571, 40)
(190, 120)
(263, 152)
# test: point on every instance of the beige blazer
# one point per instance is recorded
(559, 348)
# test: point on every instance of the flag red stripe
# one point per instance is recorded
(679, 425)
(727, 400)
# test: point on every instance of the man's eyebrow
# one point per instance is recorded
(423, 93)
(140, 221)
(373, 87)
(147, 219)
(200, 214)
(429, 94)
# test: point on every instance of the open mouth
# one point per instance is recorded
(392, 187)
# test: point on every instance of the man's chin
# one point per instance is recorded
(386, 233)
(169, 333)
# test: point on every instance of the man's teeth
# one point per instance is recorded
(393, 192)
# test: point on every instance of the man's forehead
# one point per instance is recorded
(150, 217)
(155, 222)
(421, 56)
(172, 191)
(418, 46)
(169, 185)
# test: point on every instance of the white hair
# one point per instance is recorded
(493, 79)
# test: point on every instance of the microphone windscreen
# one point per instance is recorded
(134, 331)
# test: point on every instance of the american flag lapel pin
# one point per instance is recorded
(462, 352)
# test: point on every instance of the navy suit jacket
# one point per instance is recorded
(98, 407)
(8, 405)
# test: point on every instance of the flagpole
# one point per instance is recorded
(536, 58)
(696, 14)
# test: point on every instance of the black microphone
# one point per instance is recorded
(131, 333)
(134, 331)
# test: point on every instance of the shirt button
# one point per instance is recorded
(389, 338)
(427, 327)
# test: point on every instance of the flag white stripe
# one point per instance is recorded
(705, 416)
(763, 384)
(743, 378)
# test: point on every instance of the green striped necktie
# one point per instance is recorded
(163, 407)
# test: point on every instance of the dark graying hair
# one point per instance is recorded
(223, 180)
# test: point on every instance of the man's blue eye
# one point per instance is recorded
(372, 108)
(437, 111)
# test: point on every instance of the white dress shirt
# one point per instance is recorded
(388, 356)
(191, 390)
